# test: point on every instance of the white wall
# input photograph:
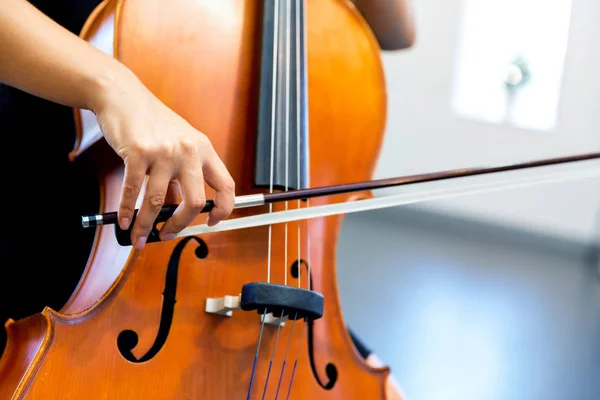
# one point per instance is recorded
(424, 135)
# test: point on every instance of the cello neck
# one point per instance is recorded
(282, 156)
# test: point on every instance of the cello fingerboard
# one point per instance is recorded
(282, 157)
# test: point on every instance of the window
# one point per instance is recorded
(509, 61)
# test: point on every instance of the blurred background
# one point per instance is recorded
(497, 295)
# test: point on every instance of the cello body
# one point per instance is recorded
(137, 327)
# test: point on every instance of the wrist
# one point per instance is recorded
(107, 86)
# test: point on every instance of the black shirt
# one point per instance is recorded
(43, 249)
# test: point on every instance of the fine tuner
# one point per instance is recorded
(123, 236)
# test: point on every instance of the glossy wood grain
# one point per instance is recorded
(202, 58)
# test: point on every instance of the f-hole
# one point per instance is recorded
(128, 339)
(330, 369)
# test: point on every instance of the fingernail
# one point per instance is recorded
(124, 223)
(208, 222)
(141, 242)
(167, 236)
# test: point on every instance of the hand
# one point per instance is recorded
(152, 140)
(44, 59)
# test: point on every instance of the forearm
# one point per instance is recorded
(42, 58)
(392, 21)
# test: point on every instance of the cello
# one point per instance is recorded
(292, 95)
(169, 321)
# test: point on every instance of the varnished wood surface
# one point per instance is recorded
(201, 58)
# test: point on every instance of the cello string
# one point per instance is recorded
(383, 202)
(298, 155)
(262, 326)
(273, 123)
(298, 125)
(271, 165)
(295, 363)
(272, 355)
(287, 27)
(287, 352)
(303, 45)
(302, 73)
(300, 28)
(308, 280)
(288, 19)
(298, 48)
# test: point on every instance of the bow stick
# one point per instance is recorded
(369, 204)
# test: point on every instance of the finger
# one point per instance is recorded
(218, 178)
(172, 193)
(154, 199)
(193, 201)
(135, 173)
